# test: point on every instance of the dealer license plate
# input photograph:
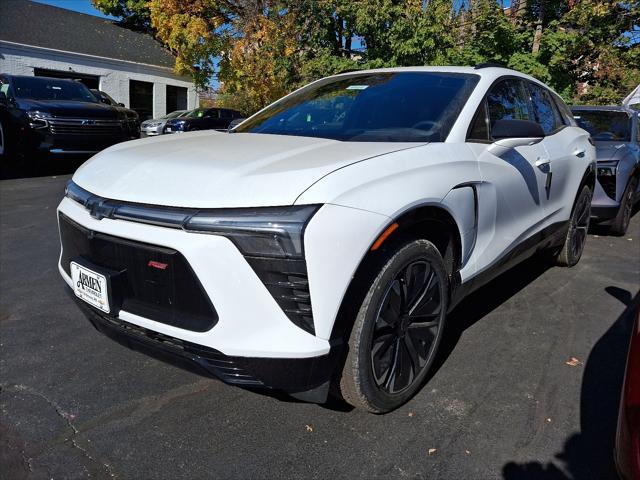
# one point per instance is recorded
(90, 286)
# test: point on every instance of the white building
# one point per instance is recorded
(133, 68)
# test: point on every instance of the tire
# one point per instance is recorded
(4, 151)
(391, 349)
(621, 221)
(576, 237)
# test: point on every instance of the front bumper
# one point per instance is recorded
(250, 322)
(292, 375)
(43, 141)
(151, 131)
(251, 328)
(603, 207)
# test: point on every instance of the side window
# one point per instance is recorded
(565, 111)
(545, 112)
(508, 100)
(479, 130)
(225, 114)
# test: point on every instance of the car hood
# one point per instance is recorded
(220, 170)
(64, 108)
(611, 151)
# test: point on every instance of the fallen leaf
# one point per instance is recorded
(411, 414)
(309, 428)
(431, 451)
(573, 362)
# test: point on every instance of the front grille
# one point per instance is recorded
(287, 281)
(208, 359)
(80, 126)
(608, 184)
(172, 295)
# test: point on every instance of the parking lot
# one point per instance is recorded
(527, 384)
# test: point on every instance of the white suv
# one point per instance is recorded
(325, 239)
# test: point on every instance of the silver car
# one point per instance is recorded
(616, 133)
(154, 126)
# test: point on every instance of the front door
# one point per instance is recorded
(512, 203)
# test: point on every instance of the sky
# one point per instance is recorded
(82, 6)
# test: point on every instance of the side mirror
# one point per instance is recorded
(510, 134)
(3, 98)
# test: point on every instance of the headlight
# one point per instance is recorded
(38, 119)
(607, 168)
(268, 231)
(257, 232)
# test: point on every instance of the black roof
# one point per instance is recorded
(39, 25)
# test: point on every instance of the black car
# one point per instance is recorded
(202, 119)
(52, 115)
(133, 119)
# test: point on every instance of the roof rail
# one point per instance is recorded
(489, 64)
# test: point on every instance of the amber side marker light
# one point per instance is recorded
(390, 229)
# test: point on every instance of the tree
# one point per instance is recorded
(588, 50)
(134, 14)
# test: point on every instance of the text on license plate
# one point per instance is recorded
(90, 286)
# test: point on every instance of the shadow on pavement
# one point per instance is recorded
(589, 454)
(486, 299)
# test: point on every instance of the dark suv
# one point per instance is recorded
(52, 115)
(202, 119)
(133, 119)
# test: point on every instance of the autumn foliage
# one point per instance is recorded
(259, 50)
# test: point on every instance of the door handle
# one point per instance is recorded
(541, 162)
(579, 153)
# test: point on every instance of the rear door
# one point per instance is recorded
(511, 203)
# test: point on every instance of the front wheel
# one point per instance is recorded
(3, 141)
(397, 330)
(621, 222)
(577, 233)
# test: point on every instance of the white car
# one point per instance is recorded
(154, 126)
(327, 237)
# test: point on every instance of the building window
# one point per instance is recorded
(141, 98)
(176, 98)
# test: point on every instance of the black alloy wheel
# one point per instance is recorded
(576, 237)
(398, 328)
(2, 142)
(620, 223)
(406, 327)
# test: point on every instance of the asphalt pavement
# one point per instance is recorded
(527, 384)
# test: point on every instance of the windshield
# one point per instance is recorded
(110, 99)
(603, 125)
(370, 107)
(42, 88)
(177, 113)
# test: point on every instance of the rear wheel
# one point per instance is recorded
(3, 152)
(577, 233)
(621, 222)
(397, 330)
